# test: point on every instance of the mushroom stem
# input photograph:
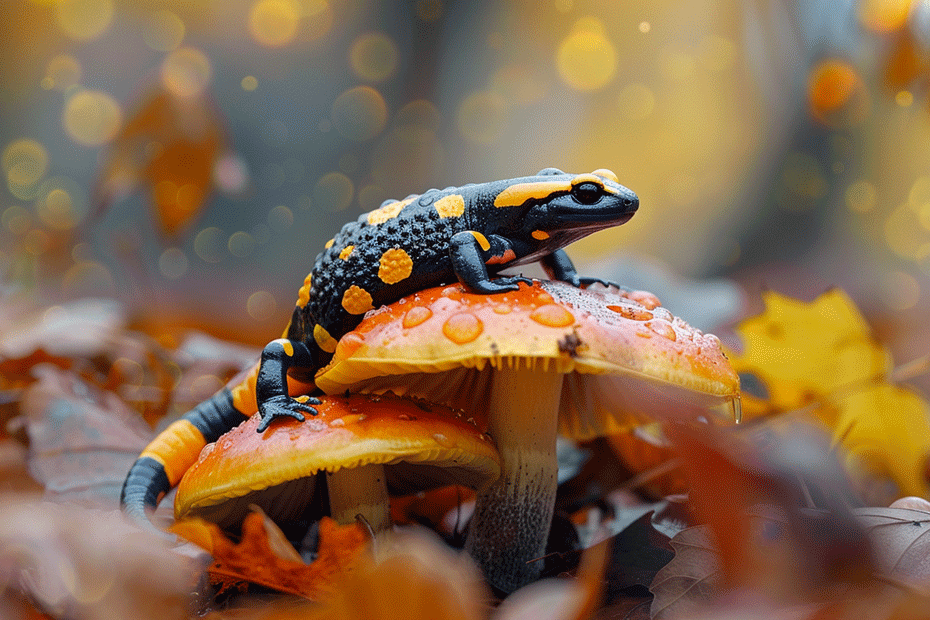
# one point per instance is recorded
(359, 491)
(512, 517)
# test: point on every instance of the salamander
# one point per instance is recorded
(466, 233)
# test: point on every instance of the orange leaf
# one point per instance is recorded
(172, 144)
(253, 560)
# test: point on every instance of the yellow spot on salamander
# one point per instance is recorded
(329, 244)
(323, 339)
(518, 194)
(587, 178)
(539, 235)
(288, 347)
(591, 178)
(303, 295)
(607, 174)
(482, 240)
(176, 448)
(395, 265)
(450, 206)
(388, 211)
(346, 252)
(243, 395)
(356, 300)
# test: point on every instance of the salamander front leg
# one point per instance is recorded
(559, 267)
(278, 357)
(466, 250)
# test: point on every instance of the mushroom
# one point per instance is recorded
(352, 439)
(545, 359)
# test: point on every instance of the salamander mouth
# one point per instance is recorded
(590, 220)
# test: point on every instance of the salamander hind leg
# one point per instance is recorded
(278, 357)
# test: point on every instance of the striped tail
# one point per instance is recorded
(160, 466)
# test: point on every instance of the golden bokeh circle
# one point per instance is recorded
(92, 117)
(359, 113)
(373, 57)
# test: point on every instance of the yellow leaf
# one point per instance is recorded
(886, 434)
(803, 351)
(819, 361)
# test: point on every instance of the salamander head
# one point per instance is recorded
(554, 203)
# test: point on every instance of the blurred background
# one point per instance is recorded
(191, 158)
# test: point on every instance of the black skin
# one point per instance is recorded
(445, 249)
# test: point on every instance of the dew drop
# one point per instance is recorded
(462, 328)
(415, 316)
(634, 314)
(552, 315)
(663, 328)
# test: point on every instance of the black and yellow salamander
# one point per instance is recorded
(466, 233)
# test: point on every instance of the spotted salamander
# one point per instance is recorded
(466, 233)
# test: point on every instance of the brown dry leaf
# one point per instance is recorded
(254, 560)
(691, 580)
(901, 540)
(90, 564)
(729, 476)
(82, 440)
(171, 145)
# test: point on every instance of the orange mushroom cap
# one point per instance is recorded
(348, 432)
(628, 359)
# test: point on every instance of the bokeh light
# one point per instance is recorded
(16, 219)
(61, 203)
(280, 219)
(163, 31)
(373, 57)
(84, 20)
(25, 162)
(481, 117)
(186, 72)
(173, 263)
(359, 113)
(210, 245)
(836, 94)
(241, 244)
(92, 117)
(231, 174)
(333, 191)
(274, 23)
(884, 15)
(62, 72)
(899, 290)
(261, 305)
(860, 196)
(249, 83)
(586, 59)
(88, 278)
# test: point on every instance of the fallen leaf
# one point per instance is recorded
(82, 440)
(254, 560)
(171, 144)
(90, 564)
(819, 361)
(412, 576)
(690, 581)
(901, 540)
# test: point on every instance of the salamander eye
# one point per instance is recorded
(586, 193)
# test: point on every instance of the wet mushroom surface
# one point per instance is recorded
(549, 358)
(364, 443)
